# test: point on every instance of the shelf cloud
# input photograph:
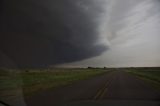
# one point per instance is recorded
(42, 33)
(115, 33)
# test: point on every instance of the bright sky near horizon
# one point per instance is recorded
(130, 28)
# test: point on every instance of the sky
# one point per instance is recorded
(80, 33)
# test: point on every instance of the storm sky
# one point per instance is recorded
(79, 33)
(132, 30)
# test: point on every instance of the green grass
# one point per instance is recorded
(10, 84)
(150, 75)
(33, 81)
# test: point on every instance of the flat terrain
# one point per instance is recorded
(150, 74)
(54, 87)
(116, 85)
(14, 84)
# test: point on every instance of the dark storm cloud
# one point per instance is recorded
(47, 32)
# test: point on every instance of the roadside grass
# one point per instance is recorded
(33, 80)
(150, 75)
(10, 84)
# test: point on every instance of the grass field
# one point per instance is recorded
(152, 75)
(34, 80)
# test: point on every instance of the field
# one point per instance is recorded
(151, 75)
(31, 81)
(34, 80)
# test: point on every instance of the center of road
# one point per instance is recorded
(102, 91)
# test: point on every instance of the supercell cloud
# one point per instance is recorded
(114, 33)
(49, 32)
(132, 28)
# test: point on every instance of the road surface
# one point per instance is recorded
(117, 85)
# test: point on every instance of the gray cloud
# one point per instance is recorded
(41, 33)
(80, 33)
(133, 34)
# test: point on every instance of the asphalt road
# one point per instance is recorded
(117, 85)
